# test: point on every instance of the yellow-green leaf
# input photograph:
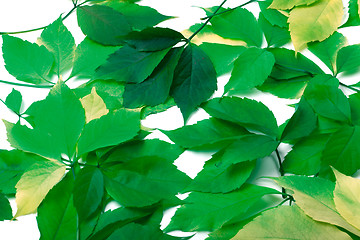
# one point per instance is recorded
(347, 198)
(315, 22)
(94, 106)
(35, 183)
(286, 4)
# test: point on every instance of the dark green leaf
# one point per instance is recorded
(348, 58)
(354, 101)
(342, 150)
(251, 69)
(245, 112)
(274, 35)
(209, 211)
(88, 191)
(89, 55)
(111, 129)
(144, 181)
(103, 24)
(354, 19)
(231, 25)
(148, 110)
(56, 216)
(59, 41)
(153, 39)
(194, 80)
(5, 208)
(58, 121)
(129, 65)
(222, 56)
(155, 89)
(13, 101)
(26, 61)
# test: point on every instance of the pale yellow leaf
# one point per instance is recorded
(35, 183)
(94, 106)
(315, 22)
(358, 7)
(212, 38)
(289, 4)
(347, 198)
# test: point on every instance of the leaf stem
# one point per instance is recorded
(26, 85)
(206, 22)
(229, 10)
(349, 87)
(281, 170)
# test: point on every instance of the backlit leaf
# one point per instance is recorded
(348, 58)
(94, 106)
(14, 100)
(284, 4)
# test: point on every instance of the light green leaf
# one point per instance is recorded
(245, 112)
(275, 36)
(26, 61)
(229, 25)
(342, 151)
(194, 80)
(34, 185)
(58, 121)
(89, 55)
(348, 58)
(13, 101)
(347, 198)
(57, 217)
(111, 129)
(94, 106)
(251, 69)
(59, 41)
(88, 191)
(102, 24)
(289, 221)
(202, 210)
(273, 16)
(327, 50)
(315, 22)
(129, 65)
(285, 4)
(5, 208)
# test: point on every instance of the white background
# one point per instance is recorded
(17, 15)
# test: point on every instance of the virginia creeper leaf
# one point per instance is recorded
(194, 80)
(275, 36)
(102, 24)
(274, 17)
(57, 217)
(35, 183)
(354, 101)
(13, 101)
(26, 61)
(129, 65)
(59, 41)
(348, 58)
(284, 4)
(354, 11)
(94, 106)
(290, 220)
(5, 208)
(315, 22)
(245, 112)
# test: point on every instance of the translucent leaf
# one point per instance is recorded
(348, 58)
(35, 183)
(26, 61)
(272, 16)
(285, 4)
(13, 101)
(315, 22)
(94, 106)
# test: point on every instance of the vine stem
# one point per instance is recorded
(229, 10)
(26, 85)
(282, 172)
(349, 87)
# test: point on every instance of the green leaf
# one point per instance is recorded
(354, 101)
(342, 151)
(251, 69)
(129, 65)
(26, 61)
(194, 80)
(5, 208)
(326, 99)
(202, 210)
(284, 4)
(139, 17)
(220, 177)
(348, 58)
(102, 24)
(93, 105)
(144, 181)
(305, 156)
(288, 221)
(245, 112)
(315, 22)
(111, 129)
(354, 19)
(13, 101)
(89, 55)
(58, 121)
(274, 17)
(229, 25)
(301, 124)
(222, 56)
(57, 217)
(315, 197)
(88, 191)
(275, 36)
(205, 132)
(327, 50)
(59, 41)
(153, 39)
(155, 89)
